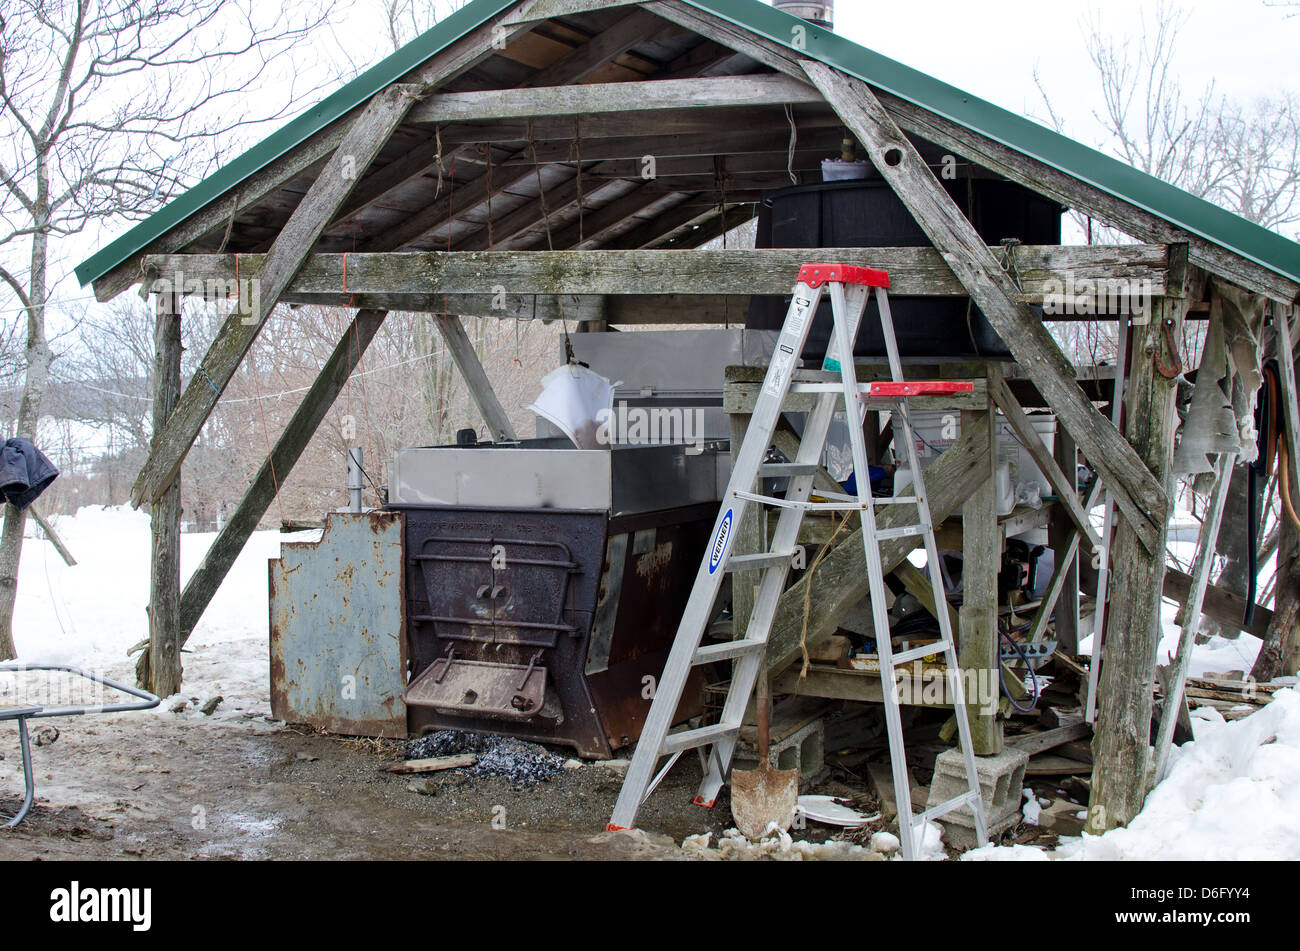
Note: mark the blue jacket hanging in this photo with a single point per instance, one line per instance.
(25, 472)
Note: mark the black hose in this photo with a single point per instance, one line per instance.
(1028, 666)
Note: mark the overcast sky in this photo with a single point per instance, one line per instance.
(1245, 47)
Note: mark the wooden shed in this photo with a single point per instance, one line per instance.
(543, 159)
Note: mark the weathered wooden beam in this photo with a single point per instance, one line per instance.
(743, 271)
(543, 307)
(518, 220)
(1062, 485)
(1220, 604)
(636, 122)
(1044, 740)
(158, 668)
(977, 638)
(776, 159)
(1065, 572)
(257, 498)
(591, 99)
(476, 378)
(367, 136)
(998, 157)
(539, 10)
(460, 56)
(1139, 494)
(598, 51)
(1190, 616)
(840, 580)
(595, 225)
(52, 535)
(640, 26)
(1121, 748)
(1086, 198)
(1061, 535)
(632, 149)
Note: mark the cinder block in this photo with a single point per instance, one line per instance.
(804, 750)
(1001, 779)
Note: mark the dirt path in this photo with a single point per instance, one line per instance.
(152, 787)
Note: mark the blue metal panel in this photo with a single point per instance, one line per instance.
(338, 641)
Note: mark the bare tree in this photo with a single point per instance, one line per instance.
(1244, 157)
(108, 108)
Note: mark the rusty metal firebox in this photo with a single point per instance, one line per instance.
(544, 624)
(544, 583)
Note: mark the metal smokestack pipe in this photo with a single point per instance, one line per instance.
(821, 13)
(355, 485)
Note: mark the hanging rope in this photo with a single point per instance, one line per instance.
(437, 159)
(794, 141)
(807, 593)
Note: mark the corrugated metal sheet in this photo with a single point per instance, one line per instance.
(1200, 217)
(338, 640)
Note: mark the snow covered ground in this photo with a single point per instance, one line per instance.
(89, 615)
(1233, 793)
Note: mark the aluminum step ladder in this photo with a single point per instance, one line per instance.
(836, 384)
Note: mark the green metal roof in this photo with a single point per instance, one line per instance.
(1176, 206)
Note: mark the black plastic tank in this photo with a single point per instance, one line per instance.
(867, 214)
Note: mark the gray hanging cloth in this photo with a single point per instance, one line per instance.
(25, 472)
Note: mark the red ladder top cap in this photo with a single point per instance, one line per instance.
(815, 275)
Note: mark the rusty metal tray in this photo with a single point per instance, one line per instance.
(477, 688)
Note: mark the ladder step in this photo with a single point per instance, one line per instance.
(897, 500)
(780, 470)
(727, 650)
(854, 506)
(894, 389)
(925, 650)
(967, 798)
(905, 531)
(690, 739)
(771, 559)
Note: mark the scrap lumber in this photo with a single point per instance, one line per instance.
(433, 764)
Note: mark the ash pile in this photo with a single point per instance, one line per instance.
(523, 764)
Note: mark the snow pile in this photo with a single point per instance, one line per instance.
(1234, 793)
(89, 615)
(776, 845)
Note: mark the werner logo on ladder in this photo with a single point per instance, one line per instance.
(849, 288)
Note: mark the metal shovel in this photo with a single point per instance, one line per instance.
(763, 796)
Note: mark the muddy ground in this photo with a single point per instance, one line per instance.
(159, 788)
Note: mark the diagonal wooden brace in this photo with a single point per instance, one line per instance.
(1139, 494)
(368, 134)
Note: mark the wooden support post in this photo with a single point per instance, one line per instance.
(257, 498)
(977, 640)
(476, 378)
(364, 139)
(1121, 747)
(1138, 492)
(1063, 485)
(158, 669)
(1067, 567)
(1176, 681)
(1064, 541)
